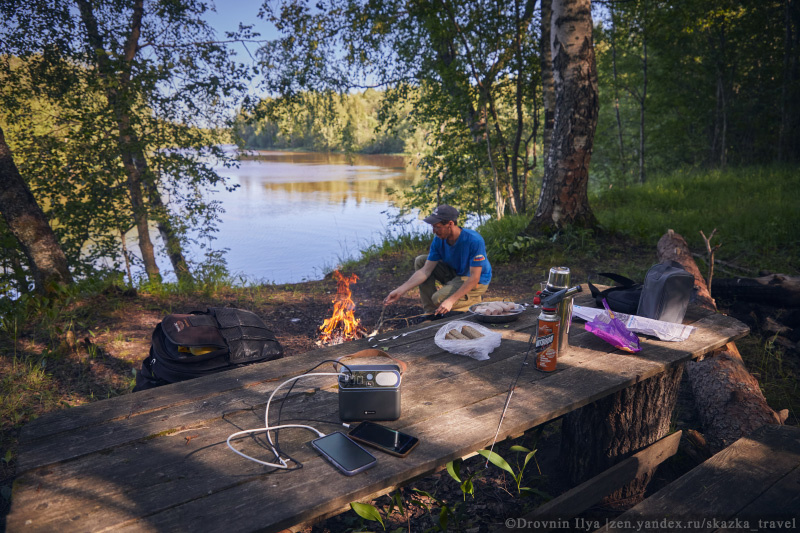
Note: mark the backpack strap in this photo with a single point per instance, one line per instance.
(371, 352)
(624, 283)
(622, 280)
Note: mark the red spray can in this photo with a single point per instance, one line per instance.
(547, 340)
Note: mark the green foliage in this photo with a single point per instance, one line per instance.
(467, 487)
(504, 240)
(719, 86)
(463, 77)
(80, 111)
(367, 512)
(753, 208)
(323, 122)
(501, 463)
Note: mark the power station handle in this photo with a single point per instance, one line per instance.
(372, 352)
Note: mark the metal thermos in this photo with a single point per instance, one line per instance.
(559, 279)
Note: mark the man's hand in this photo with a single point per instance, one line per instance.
(393, 297)
(445, 306)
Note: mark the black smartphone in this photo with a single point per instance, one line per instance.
(385, 439)
(343, 453)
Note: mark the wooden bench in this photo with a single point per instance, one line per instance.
(752, 485)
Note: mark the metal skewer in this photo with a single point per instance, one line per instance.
(511, 393)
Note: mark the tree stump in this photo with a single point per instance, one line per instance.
(618, 426)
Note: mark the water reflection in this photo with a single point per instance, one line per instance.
(296, 214)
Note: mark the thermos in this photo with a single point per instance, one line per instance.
(557, 280)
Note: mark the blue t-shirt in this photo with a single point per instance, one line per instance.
(468, 251)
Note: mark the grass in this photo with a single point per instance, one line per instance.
(753, 209)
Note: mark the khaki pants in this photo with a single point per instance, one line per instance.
(446, 276)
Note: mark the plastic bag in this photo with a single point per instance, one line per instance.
(478, 348)
(613, 331)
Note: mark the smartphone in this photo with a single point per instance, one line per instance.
(343, 453)
(385, 439)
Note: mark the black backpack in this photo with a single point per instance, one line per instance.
(187, 346)
(623, 298)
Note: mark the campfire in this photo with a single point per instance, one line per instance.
(342, 325)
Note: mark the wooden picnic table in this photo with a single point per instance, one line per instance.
(157, 460)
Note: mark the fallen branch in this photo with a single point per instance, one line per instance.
(711, 252)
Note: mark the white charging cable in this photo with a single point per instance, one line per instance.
(281, 464)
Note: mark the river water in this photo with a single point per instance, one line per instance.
(296, 215)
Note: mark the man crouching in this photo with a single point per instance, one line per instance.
(457, 260)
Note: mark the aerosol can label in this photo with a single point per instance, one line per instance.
(547, 342)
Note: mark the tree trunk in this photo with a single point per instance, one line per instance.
(119, 94)
(622, 163)
(28, 223)
(548, 89)
(138, 206)
(624, 422)
(170, 237)
(643, 100)
(778, 290)
(564, 198)
(728, 399)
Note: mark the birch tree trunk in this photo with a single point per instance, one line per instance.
(142, 188)
(29, 225)
(564, 198)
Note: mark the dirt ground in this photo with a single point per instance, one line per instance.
(110, 335)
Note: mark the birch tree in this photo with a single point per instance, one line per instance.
(564, 197)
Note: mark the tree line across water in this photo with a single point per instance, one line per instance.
(112, 114)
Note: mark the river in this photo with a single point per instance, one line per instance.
(296, 215)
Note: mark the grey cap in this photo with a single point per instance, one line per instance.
(443, 213)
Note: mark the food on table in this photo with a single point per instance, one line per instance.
(496, 308)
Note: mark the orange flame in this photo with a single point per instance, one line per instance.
(342, 325)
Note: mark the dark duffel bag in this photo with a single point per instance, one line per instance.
(623, 298)
(187, 346)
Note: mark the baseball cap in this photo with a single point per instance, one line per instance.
(442, 213)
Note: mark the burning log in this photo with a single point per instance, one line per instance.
(342, 325)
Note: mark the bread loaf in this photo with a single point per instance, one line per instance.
(471, 332)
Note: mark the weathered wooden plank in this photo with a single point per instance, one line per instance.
(779, 503)
(145, 403)
(580, 498)
(724, 486)
(117, 431)
(433, 396)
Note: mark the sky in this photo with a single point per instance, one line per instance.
(227, 16)
(229, 13)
